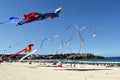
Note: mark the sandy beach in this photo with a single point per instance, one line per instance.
(35, 71)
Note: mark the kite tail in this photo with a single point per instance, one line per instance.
(4, 58)
(28, 55)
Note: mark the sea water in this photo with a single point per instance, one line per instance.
(105, 60)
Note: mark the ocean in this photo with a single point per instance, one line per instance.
(105, 60)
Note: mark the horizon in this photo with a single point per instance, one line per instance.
(64, 53)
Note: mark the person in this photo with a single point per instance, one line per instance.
(30, 62)
(74, 65)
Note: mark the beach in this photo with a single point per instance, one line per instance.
(37, 71)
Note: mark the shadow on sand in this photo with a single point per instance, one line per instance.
(82, 69)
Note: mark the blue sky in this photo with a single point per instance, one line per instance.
(103, 14)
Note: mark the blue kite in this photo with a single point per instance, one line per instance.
(35, 16)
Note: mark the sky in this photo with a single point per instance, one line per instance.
(104, 15)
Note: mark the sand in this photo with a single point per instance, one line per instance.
(35, 71)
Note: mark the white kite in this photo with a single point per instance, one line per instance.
(27, 55)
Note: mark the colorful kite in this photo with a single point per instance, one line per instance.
(27, 49)
(35, 16)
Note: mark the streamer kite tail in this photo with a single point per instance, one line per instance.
(27, 55)
(66, 43)
(11, 20)
(27, 49)
(94, 29)
(4, 22)
(5, 58)
(61, 46)
(43, 42)
(51, 39)
(78, 32)
(82, 41)
(54, 37)
(73, 35)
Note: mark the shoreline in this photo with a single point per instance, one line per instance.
(98, 63)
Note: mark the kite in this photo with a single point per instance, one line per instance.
(27, 55)
(66, 43)
(51, 39)
(82, 41)
(63, 44)
(54, 37)
(78, 32)
(58, 36)
(35, 16)
(11, 20)
(71, 37)
(27, 49)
